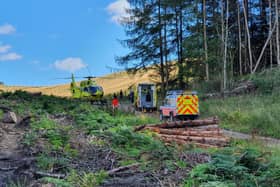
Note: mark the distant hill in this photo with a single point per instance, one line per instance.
(111, 83)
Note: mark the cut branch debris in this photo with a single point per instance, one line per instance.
(122, 168)
(44, 174)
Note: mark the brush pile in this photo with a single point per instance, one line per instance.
(203, 133)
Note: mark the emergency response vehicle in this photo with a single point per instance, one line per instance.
(146, 97)
(181, 105)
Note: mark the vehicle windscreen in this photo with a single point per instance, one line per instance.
(93, 89)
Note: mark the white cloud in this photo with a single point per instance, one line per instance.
(10, 57)
(118, 11)
(4, 48)
(70, 64)
(7, 29)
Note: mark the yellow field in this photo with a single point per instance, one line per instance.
(111, 83)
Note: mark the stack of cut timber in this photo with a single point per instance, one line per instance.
(202, 133)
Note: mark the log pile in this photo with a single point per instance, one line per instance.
(203, 133)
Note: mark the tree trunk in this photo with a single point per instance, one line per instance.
(239, 39)
(270, 28)
(225, 48)
(248, 36)
(161, 50)
(223, 44)
(205, 41)
(263, 49)
(179, 76)
(181, 81)
(166, 52)
(277, 32)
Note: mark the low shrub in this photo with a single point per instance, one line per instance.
(236, 167)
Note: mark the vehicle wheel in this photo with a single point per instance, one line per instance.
(161, 118)
(171, 117)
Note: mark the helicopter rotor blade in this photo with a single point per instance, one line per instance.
(90, 77)
(62, 78)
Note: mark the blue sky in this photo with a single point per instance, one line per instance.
(41, 40)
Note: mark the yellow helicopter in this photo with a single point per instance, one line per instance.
(88, 89)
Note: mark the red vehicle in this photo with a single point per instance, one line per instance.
(180, 105)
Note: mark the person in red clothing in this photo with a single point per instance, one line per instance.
(115, 102)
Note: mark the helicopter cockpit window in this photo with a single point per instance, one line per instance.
(86, 89)
(93, 89)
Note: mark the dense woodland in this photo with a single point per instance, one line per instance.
(213, 40)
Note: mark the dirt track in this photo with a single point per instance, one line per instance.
(271, 142)
(13, 160)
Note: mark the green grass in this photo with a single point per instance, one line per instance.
(1, 114)
(118, 131)
(57, 135)
(258, 113)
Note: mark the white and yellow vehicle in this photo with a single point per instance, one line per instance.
(180, 105)
(146, 97)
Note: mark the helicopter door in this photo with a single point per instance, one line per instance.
(146, 96)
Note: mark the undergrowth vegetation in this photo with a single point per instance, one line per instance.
(244, 165)
(57, 123)
(52, 138)
(258, 114)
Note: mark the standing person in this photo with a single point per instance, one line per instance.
(115, 103)
(121, 95)
(131, 96)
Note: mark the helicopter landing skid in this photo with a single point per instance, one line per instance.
(99, 102)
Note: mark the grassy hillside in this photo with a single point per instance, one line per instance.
(110, 83)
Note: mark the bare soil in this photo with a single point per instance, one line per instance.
(14, 161)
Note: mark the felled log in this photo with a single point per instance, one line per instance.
(219, 141)
(195, 138)
(5, 109)
(182, 142)
(182, 124)
(205, 127)
(187, 132)
(244, 87)
(198, 128)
